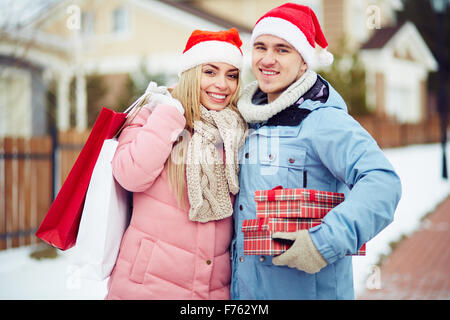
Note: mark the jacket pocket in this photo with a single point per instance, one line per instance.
(288, 164)
(295, 160)
(221, 272)
(173, 264)
(141, 261)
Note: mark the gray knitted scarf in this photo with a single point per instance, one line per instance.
(209, 180)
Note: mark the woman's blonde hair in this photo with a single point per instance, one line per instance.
(187, 91)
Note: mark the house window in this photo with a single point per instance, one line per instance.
(120, 20)
(88, 23)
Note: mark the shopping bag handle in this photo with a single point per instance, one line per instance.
(131, 112)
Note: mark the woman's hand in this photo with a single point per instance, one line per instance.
(153, 88)
(158, 98)
(160, 95)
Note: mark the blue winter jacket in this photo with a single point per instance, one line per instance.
(328, 151)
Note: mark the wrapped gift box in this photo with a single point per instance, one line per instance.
(286, 210)
(295, 203)
(258, 234)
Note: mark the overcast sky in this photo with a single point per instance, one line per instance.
(14, 13)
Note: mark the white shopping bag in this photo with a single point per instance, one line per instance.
(105, 217)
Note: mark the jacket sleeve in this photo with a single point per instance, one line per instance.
(355, 159)
(145, 145)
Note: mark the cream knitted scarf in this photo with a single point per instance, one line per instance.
(258, 113)
(209, 180)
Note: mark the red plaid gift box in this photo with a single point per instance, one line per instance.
(286, 210)
(295, 203)
(258, 234)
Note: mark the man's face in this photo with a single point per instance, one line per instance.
(276, 65)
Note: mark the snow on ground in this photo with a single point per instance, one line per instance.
(24, 278)
(419, 168)
(420, 171)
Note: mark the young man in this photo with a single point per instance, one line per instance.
(301, 136)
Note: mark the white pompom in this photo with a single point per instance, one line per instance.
(325, 58)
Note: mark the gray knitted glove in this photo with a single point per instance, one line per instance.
(302, 255)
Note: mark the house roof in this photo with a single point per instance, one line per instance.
(194, 10)
(402, 41)
(185, 6)
(381, 37)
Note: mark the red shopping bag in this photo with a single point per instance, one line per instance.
(60, 225)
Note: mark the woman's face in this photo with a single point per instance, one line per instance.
(218, 84)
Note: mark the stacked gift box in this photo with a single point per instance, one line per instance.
(286, 210)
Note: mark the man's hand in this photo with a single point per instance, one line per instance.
(302, 255)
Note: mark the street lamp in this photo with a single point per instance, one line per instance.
(439, 7)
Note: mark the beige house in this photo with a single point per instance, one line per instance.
(114, 38)
(75, 38)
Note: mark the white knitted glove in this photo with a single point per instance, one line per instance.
(160, 95)
(159, 98)
(154, 88)
(302, 255)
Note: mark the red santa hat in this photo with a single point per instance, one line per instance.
(212, 46)
(299, 26)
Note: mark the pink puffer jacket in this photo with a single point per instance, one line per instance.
(163, 254)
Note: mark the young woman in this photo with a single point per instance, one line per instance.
(179, 158)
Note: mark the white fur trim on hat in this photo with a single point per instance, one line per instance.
(289, 32)
(325, 58)
(210, 51)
